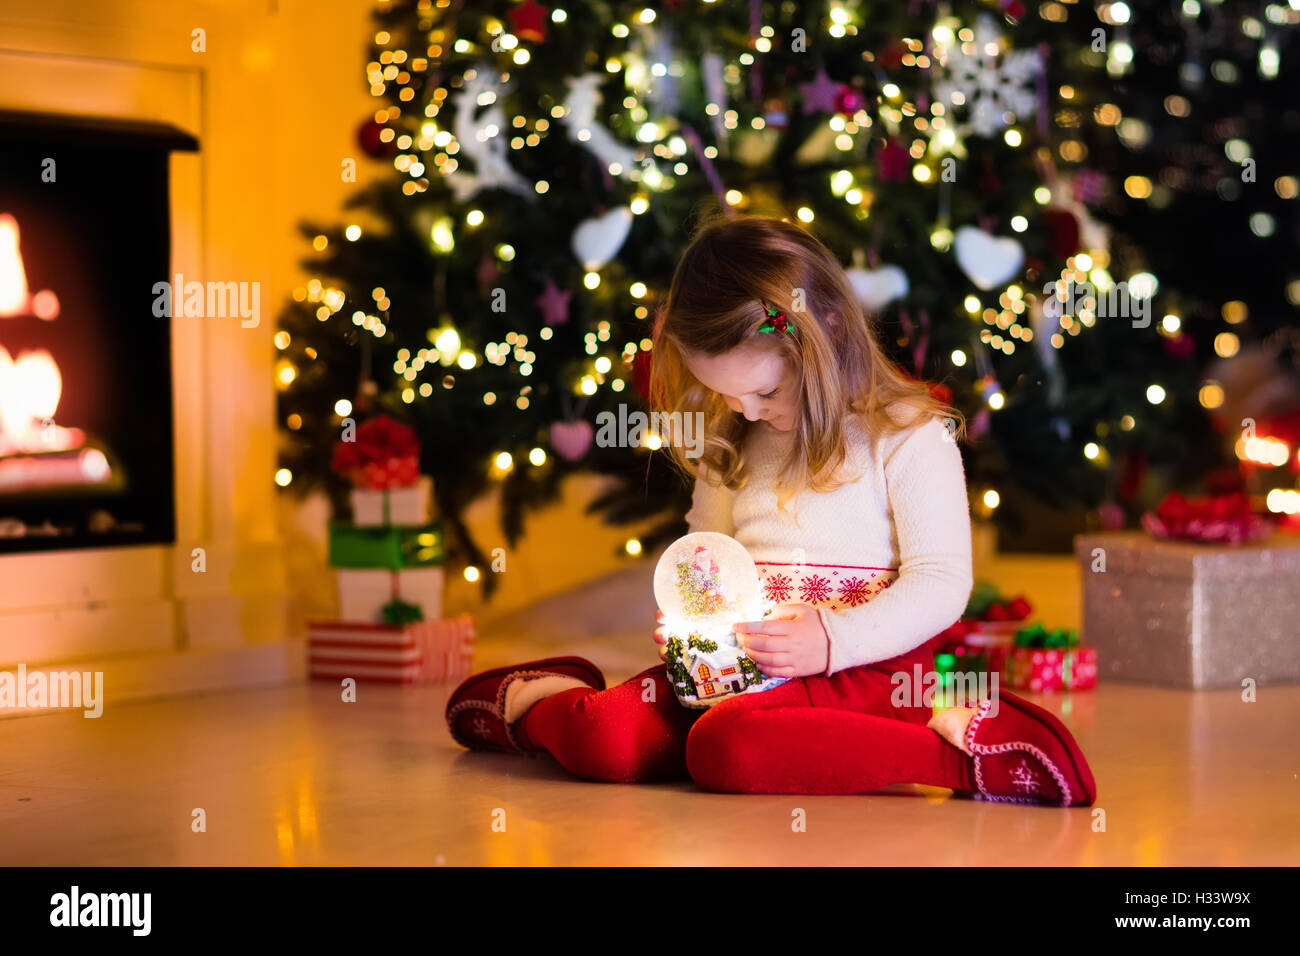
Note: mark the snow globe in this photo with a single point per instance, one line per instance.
(704, 584)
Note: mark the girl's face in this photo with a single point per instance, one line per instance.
(757, 382)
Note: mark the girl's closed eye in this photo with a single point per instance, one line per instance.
(769, 394)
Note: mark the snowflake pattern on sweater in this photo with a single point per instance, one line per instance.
(834, 588)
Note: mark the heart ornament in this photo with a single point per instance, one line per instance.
(876, 288)
(598, 240)
(987, 260)
(571, 440)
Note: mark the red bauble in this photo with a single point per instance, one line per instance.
(1132, 469)
(641, 372)
(1020, 608)
(1225, 481)
(1179, 346)
(941, 393)
(370, 143)
(989, 180)
(892, 162)
(891, 55)
(529, 21)
(1063, 232)
(1111, 516)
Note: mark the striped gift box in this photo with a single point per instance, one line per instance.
(425, 652)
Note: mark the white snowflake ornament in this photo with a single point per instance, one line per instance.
(990, 81)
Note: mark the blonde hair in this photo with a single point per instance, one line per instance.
(730, 271)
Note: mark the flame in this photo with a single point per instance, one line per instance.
(13, 278)
(30, 389)
(14, 298)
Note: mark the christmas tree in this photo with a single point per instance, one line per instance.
(1199, 139)
(547, 166)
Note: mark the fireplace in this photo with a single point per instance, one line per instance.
(86, 446)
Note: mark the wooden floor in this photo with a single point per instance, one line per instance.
(294, 776)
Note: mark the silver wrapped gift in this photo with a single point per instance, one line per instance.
(1192, 615)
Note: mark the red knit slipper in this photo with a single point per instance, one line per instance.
(1026, 755)
(476, 709)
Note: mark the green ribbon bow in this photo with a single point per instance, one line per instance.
(1037, 636)
(399, 613)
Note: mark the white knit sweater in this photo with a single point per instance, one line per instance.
(907, 510)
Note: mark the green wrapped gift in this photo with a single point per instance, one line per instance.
(390, 546)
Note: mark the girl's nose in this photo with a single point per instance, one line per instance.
(749, 408)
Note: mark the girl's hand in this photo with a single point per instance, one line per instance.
(790, 643)
(660, 637)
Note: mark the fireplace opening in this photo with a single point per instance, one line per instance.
(86, 447)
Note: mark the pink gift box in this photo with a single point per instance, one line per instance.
(421, 653)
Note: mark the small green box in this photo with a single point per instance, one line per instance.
(392, 546)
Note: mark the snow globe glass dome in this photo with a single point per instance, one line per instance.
(705, 583)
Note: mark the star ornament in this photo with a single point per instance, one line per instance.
(554, 304)
(528, 20)
(820, 94)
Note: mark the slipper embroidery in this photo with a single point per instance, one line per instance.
(1024, 778)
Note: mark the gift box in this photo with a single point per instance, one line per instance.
(1043, 660)
(984, 636)
(424, 652)
(1051, 668)
(1192, 615)
(391, 547)
(365, 592)
(392, 506)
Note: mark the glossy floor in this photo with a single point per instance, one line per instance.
(295, 776)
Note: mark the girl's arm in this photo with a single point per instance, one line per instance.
(710, 506)
(927, 496)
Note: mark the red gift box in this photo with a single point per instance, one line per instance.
(1051, 668)
(423, 652)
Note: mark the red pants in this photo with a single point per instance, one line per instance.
(838, 734)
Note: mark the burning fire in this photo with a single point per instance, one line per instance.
(30, 389)
(14, 299)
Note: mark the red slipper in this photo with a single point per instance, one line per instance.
(476, 709)
(1026, 755)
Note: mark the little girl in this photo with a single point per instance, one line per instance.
(843, 479)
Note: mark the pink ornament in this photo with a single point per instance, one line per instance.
(571, 440)
(848, 100)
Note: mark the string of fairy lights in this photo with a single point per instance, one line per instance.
(1002, 319)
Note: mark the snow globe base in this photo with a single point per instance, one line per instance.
(705, 670)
